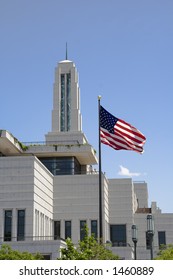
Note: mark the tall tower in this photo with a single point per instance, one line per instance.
(66, 116)
(66, 141)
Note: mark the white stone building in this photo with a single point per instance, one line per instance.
(49, 191)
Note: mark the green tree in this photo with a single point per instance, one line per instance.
(87, 249)
(165, 253)
(7, 253)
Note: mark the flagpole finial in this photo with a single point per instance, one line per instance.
(99, 97)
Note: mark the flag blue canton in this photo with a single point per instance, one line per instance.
(107, 120)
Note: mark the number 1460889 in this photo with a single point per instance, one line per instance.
(133, 270)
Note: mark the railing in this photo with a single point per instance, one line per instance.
(30, 239)
(35, 143)
(120, 244)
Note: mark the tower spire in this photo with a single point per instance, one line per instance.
(66, 56)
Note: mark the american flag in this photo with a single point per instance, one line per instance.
(119, 134)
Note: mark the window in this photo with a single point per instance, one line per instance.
(148, 246)
(21, 225)
(57, 230)
(62, 102)
(82, 229)
(62, 165)
(68, 102)
(67, 229)
(7, 225)
(161, 238)
(94, 228)
(118, 235)
(65, 102)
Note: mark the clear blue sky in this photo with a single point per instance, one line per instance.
(123, 50)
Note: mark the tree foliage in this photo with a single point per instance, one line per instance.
(87, 249)
(7, 253)
(165, 253)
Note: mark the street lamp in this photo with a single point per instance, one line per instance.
(135, 239)
(150, 232)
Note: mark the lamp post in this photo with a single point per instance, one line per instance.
(135, 239)
(150, 232)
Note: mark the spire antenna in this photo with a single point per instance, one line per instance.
(66, 56)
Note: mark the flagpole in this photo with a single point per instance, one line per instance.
(100, 179)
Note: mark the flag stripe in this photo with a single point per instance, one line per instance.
(125, 140)
(117, 142)
(130, 137)
(135, 133)
(119, 146)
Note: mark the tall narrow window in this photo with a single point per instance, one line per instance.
(147, 241)
(68, 101)
(62, 102)
(65, 102)
(82, 229)
(94, 228)
(67, 229)
(57, 229)
(161, 238)
(7, 225)
(21, 225)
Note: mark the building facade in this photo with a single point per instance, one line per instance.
(49, 191)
